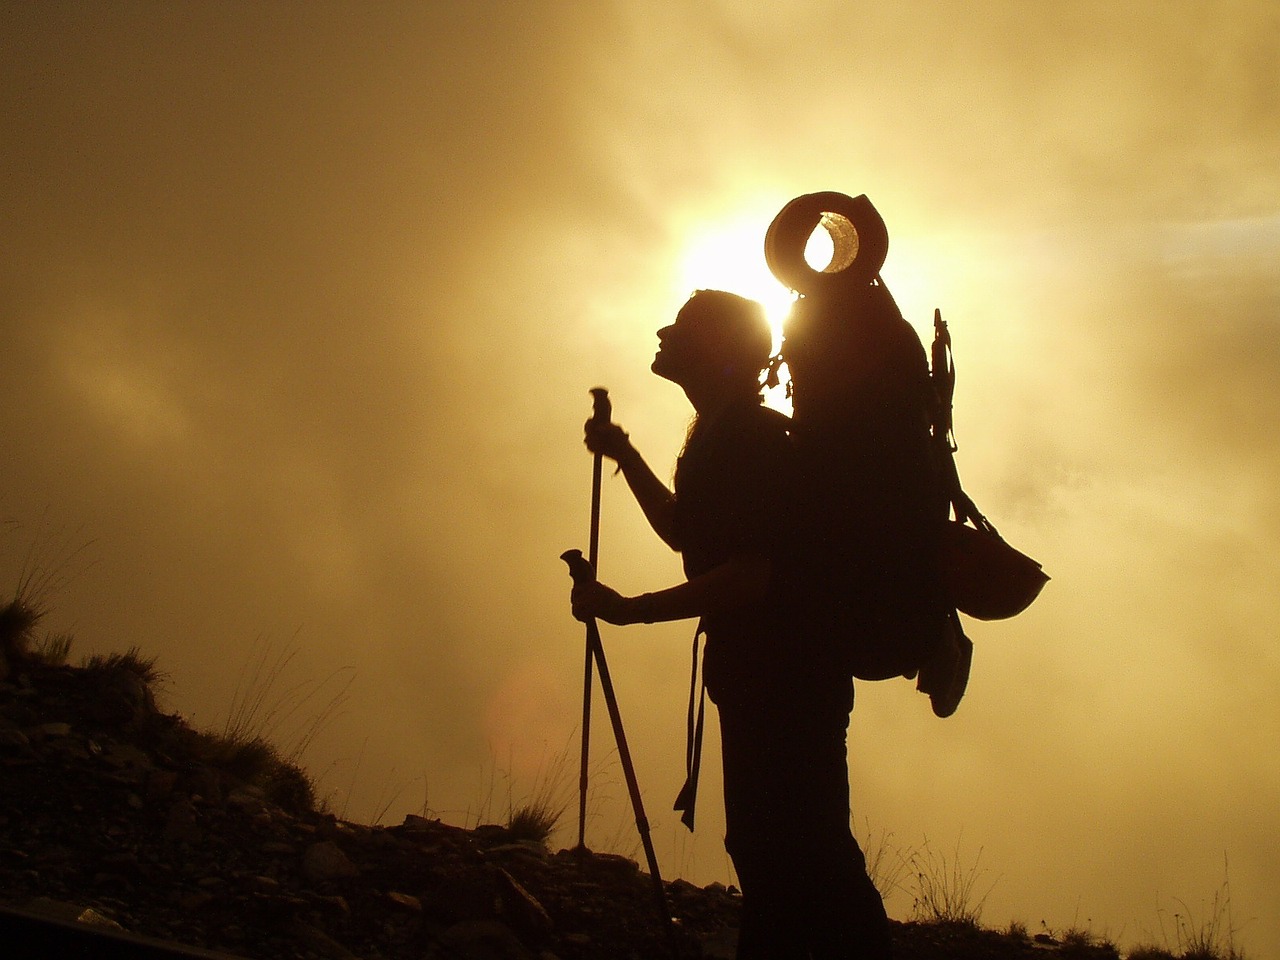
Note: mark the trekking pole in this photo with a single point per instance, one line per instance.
(582, 572)
(601, 412)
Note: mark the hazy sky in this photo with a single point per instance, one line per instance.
(300, 306)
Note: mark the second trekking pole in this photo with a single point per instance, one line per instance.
(581, 572)
(601, 413)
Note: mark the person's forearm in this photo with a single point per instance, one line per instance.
(736, 583)
(656, 501)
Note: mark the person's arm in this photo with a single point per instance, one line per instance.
(737, 582)
(656, 501)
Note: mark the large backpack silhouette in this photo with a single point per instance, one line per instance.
(884, 545)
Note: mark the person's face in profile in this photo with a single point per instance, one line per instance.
(688, 347)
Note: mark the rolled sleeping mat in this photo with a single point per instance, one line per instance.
(859, 239)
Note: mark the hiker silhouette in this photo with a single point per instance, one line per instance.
(784, 709)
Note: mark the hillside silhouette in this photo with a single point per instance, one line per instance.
(116, 814)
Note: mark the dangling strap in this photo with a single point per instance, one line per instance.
(943, 366)
(688, 797)
(943, 377)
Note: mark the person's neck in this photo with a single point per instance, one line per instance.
(710, 399)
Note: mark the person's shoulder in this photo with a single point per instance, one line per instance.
(756, 432)
(755, 419)
(753, 413)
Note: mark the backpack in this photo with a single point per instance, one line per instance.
(885, 547)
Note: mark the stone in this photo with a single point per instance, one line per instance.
(160, 784)
(480, 940)
(523, 911)
(95, 919)
(182, 825)
(720, 945)
(191, 902)
(45, 730)
(319, 941)
(13, 739)
(410, 903)
(121, 755)
(324, 860)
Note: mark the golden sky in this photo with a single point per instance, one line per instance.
(301, 303)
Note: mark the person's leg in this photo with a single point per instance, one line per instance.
(844, 913)
(754, 790)
(804, 880)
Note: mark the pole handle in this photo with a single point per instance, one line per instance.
(601, 407)
(579, 567)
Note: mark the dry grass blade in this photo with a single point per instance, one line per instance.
(263, 706)
(946, 888)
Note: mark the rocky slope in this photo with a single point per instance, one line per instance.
(115, 813)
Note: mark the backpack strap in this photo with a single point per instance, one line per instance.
(688, 797)
(942, 375)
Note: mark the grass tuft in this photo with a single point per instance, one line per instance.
(131, 661)
(264, 709)
(18, 621)
(1209, 934)
(536, 816)
(46, 569)
(53, 649)
(946, 887)
(256, 764)
(534, 821)
(886, 863)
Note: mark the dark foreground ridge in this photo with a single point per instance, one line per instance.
(116, 816)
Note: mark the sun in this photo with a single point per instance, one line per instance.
(730, 256)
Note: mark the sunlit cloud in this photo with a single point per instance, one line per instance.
(301, 314)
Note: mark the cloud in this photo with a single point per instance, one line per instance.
(301, 313)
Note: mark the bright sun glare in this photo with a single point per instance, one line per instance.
(731, 257)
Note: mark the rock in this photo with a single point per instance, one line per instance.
(249, 799)
(480, 940)
(182, 825)
(416, 823)
(160, 784)
(525, 914)
(324, 860)
(122, 697)
(121, 755)
(43, 731)
(720, 945)
(319, 941)
(410, 903)
(194, 901)
(14, 740)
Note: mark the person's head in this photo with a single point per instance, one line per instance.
(719, 341)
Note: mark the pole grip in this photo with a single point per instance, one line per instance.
(579, 567)
(601, 407)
